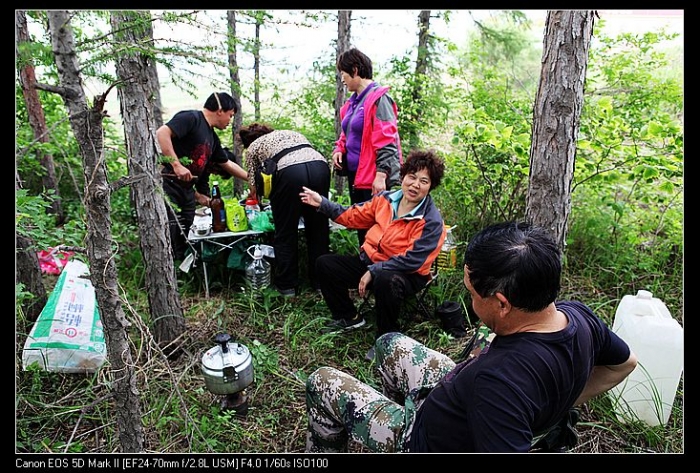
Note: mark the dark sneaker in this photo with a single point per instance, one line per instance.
(344, 325)
(291, 292)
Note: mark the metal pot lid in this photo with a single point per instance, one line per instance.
(226, 354)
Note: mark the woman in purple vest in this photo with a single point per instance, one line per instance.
(368, 148)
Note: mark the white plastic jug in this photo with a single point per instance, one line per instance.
(646, 324)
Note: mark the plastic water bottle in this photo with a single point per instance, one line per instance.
(647, 394)
(447, 258)
(252, 209)
(258, 272)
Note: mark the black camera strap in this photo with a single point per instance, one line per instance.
(285, 151)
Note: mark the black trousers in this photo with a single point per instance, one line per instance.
(286, 210)
(179, 223)
(338, 273)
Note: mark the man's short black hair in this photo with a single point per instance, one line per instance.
(222, 101)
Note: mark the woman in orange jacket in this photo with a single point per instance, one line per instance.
(405, 232)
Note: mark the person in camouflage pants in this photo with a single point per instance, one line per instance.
(341, 407)
(546, 357)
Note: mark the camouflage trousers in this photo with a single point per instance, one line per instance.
(341, 408)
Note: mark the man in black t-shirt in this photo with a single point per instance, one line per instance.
(545, 358)
(190, 145)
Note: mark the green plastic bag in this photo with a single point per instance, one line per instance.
(237, 256)
(209, 252)
(236, 220)
(262, 222)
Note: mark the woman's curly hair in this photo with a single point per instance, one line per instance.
(424, 159)
(252, 132)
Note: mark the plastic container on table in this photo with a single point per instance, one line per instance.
(252, 209)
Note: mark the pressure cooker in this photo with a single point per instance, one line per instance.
(227, 367)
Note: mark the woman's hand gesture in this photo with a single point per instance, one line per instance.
(310, 197)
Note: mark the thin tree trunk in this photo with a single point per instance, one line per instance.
(342, 45)
(28, 272)
(256, 66)
(151, 72)
(413, 117)
(556, 119)
(86, 124)
(35, 113)
(238, 185)
(132, 28)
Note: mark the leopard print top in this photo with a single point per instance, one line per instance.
(270, 144)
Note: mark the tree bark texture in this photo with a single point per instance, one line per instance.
(422, 60)
(153, 82)
(86, 124)
(28, 272)
(238, 184)
(556, 119)
(138, 116)
(35, 113)
(256, 67)
(342, 45)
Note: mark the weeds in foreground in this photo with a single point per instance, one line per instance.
(73, 413)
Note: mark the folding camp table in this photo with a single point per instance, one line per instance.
(223, 240)
(227, 240)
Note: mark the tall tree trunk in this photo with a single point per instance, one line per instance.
(132, 28)
(342, 45)
(35, 112)
(556, 119)
(412, 118)
(151, 73)
(86, 124)
(28, 273)
(256, 64)
(238, 185)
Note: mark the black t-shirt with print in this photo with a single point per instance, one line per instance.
(196, 140)
(521, 386)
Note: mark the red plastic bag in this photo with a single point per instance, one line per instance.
(52, 261)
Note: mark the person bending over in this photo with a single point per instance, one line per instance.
(190, 134)
(301, 167)
(545, 357)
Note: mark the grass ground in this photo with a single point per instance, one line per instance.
(74, 413)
